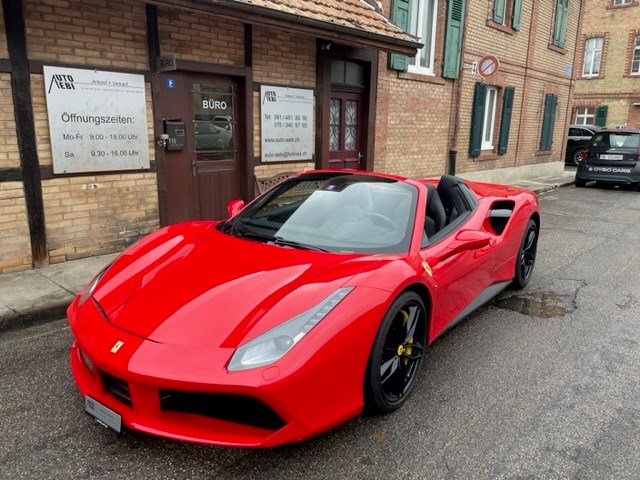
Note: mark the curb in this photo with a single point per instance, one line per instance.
(33, 318)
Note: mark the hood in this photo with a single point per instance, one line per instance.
(190, 284)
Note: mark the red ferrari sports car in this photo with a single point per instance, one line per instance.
(312, 302)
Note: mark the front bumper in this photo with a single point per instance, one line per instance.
(185, 393)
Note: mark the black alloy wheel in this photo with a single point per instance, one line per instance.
(397, 354)
(526, 255)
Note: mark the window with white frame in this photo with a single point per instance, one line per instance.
(622, 2)
(585, 116)
(423, 25)
(635, 61)
(592, 57)
(489, 118)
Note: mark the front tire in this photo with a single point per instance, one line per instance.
(526, 255)
(396, 355)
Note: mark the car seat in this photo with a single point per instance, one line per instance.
(436, 217)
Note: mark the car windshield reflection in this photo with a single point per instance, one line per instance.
(336, 212)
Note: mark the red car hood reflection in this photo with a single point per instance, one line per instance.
(191, 285)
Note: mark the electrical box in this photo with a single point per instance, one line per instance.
(176, 131)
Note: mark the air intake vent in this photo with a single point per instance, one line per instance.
(118, 388)
(233, 408)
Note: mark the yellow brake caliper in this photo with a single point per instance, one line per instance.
(404, 350)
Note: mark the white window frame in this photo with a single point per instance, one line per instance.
(489, 120)
(635, 55)
(585, 116)
(416, 27)
(592, 51)
(621, 2)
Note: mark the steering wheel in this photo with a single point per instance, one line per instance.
(382, 221)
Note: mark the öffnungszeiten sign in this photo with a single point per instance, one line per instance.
(286, 123)
(97, 120)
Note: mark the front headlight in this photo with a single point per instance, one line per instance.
(92, 285)
(273, 344)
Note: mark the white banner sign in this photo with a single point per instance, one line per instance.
(286, 121)
(97, 120)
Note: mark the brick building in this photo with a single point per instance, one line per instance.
(122, 116)
(607, 76)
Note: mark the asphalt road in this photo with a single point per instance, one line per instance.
(543, 383)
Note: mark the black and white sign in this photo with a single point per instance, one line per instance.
(287, 123)
(97, 120)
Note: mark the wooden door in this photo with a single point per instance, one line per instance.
(203, 176)
(346, 130)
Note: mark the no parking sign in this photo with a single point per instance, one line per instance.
(488, 66)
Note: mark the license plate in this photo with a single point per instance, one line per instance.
(105, 416)
(611, 157)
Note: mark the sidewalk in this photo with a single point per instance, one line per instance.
(37, 296)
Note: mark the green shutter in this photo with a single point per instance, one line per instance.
(400, 13)
(498, 11)
(505, 125)
(548, 121)
(477, 119)
(601, 116)
(453, 39)
(516, 14)
(560, 28)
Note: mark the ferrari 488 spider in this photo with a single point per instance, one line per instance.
(312, 302)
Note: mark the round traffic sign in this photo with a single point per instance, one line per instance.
(488, 66)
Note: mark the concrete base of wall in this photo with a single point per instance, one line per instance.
(512, 175)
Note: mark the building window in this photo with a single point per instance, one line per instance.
(423, 25)
(621, 2)
(635, 61)
(507, 13)
(560, 24)
(585, 116)
(489, 118)
(548, 121)
(592, 57)
(483, 119)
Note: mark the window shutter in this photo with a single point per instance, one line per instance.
(477, 119)
(453, 39)
(498, 11)
(400, 11)
(601, 116)
(560, 28)
(546, 138)
(507, 108)
(516, 14)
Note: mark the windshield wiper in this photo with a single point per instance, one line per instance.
(235, 230)
(292, 243)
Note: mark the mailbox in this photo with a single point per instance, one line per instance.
(176, 132)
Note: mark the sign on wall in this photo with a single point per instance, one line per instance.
(97, 120)
(286, 123)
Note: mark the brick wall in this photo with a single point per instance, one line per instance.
(90, 214)
(87, 32)
(412, 125)
(283, 59)
(615, 88)
(3, 40)
(200, 37)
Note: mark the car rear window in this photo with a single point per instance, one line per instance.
(617, 139)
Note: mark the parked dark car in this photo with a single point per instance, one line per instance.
(612, 157)
(579, 136)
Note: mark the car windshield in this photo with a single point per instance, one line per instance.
(332, 211)
(617, 139)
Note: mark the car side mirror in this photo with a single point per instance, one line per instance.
(234, 207)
